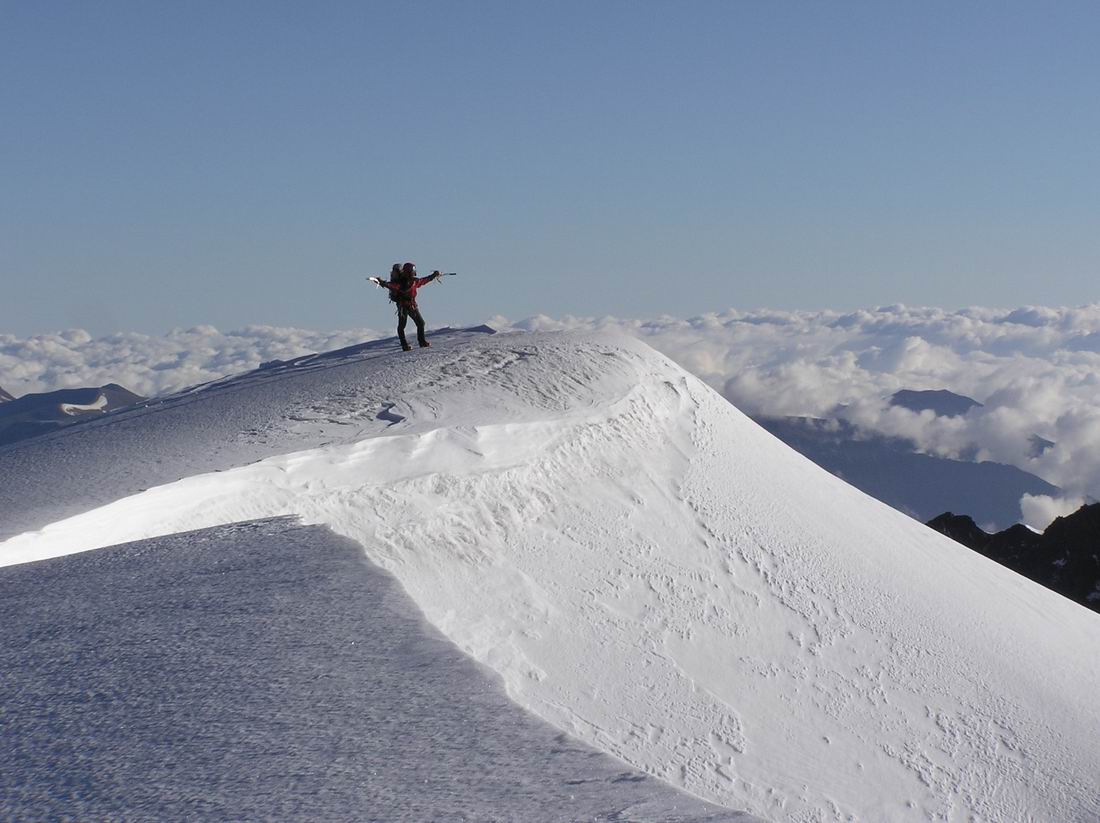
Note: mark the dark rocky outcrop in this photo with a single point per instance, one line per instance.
(1065, 557)
(4, 396)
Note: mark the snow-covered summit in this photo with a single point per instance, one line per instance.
(33, 415)
(644, 566)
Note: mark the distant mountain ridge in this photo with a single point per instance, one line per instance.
(1064, 558)
(35, 414)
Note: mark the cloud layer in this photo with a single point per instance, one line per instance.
(1036, 369)
(154, 365)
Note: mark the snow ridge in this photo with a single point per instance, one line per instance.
(651, 571)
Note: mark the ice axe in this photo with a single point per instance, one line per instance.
(445, 274)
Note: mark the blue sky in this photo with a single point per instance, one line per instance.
(168, 165)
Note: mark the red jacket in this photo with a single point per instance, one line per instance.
(405, 295)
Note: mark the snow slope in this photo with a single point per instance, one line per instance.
(645, 568)
(267, 671)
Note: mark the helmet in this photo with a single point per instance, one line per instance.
(395, 272)
(409, 268)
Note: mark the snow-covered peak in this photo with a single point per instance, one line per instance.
(643, 565)
(34, 415)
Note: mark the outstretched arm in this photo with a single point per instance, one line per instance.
(435, 275)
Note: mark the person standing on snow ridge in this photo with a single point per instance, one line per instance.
(402, 286)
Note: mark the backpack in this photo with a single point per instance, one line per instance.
(400, 295)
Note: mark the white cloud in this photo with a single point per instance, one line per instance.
(1040, 511)
(1036, 369)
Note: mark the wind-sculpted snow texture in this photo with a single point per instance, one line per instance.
(649, 570)
(309, 401)
(266, 671)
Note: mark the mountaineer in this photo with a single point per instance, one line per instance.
(402, 286)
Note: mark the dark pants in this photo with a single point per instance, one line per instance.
(403, 315)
